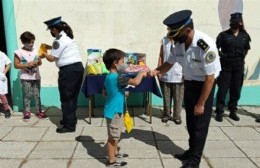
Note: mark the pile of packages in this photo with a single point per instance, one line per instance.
(135, 63)
(95, 64)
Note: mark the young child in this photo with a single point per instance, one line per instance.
(5, 65)
(114, 89)
(28, 62)
(171, 84)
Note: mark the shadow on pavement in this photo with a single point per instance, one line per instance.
(97, 150)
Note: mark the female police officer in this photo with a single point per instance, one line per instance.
(197, 54)
(66, 55)
(233, 45)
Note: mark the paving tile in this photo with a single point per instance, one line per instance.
(20, 134)
(140, 133)
(168, 149)
(139, 148)
(231, 162)
(53, 150)
(95, 133)
(257, 129)
(54, 111)
(46, 163)
(251, 148)
(170, 163)
(89, 163)
(4, 131)
(224, 123)
(222, 149)
(245, 120)
(52, 135)
(215, 133)
(18, 121)
(95, 121)
(90, 149)
(2, 119)
(10, 163)
(238, 133)
(51, 121)
(256, 161)
(171, 133)
(15, 150)
(144, 163)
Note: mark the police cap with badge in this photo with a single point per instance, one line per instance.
(177, 21)
(50, 23)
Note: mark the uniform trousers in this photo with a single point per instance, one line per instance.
(197, 125)
(175, 92)
(70, 79)
(230, 79)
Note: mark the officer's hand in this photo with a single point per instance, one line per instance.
(198, 110)
(153, 73)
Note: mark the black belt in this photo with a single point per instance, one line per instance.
(70, 65)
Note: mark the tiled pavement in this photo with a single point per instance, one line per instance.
(35, 144)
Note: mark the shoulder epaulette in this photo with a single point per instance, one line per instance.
(203, 45)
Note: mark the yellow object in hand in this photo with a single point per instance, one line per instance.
(43, 49)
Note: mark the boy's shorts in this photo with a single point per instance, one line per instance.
(114, 127)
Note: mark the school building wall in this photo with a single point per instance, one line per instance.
(130, 25)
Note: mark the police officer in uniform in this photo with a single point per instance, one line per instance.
(66, 55)
(233, 45)
(198, 56)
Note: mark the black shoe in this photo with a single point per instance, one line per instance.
(257, 119)
(234, 116)
(165, 119)
(219, 117)
(61, 122)
(7, 113)
(185, 156)
(64, 130)
(190, 164)
(116, 164)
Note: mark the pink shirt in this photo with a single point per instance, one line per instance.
(25, 57)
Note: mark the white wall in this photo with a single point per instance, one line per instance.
(130, 25)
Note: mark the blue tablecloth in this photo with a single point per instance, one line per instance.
(94, 84)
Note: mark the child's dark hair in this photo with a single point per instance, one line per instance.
(27, 37)
(63, 26)
(112, 55)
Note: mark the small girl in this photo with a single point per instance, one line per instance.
(28, 62)
(5, 65)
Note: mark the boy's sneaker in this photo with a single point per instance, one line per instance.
(41, 115)
(27, 116)
(121, 155)
(116, 164)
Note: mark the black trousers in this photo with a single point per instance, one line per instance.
(70, 79)
(231, 80)
(197, 125)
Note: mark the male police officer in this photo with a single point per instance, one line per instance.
(198, 55)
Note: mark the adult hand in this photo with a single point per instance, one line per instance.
(198, 110)
(153, 73)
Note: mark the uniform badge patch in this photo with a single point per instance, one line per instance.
(55, 45)
(210, 57)
(203, 45)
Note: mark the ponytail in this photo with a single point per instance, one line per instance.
(63, 26)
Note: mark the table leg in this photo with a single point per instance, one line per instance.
(90, 107)
(150, 106)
